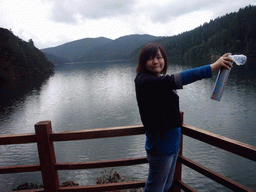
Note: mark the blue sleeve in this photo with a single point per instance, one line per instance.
(198, 73)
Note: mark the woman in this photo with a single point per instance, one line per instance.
(158, 105)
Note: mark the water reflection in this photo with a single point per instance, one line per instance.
(14, 92)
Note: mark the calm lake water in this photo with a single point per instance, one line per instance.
(99, 95)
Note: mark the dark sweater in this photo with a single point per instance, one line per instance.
(158, 105)
(158, 102)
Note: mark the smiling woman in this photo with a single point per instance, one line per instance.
(159, 109)
(156, 64)
(153, 59)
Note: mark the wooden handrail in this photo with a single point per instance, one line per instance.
(184, 186)
(98, 133)
(20, 169)
(104, 187)
(44, 138)
(17, 139)
(213, 175)
(233, 146)
(100, 164)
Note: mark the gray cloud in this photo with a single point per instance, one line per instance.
(175, 9)
(71, 11)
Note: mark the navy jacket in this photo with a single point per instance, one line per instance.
(158, 102)
(157, 99)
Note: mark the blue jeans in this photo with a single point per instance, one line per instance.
(161, 171)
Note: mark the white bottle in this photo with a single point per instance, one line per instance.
(222, 77)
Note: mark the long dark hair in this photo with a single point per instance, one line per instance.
(150, 50)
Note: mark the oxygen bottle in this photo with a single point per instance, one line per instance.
(222, 77)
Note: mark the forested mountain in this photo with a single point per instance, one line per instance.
(99, 49)
(234, 32)
(19, 58)
(76, 49)
(119, 49)
(55, 59)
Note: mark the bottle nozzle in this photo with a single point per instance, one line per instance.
(239, 59)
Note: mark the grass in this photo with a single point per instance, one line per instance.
(114, 178)
(111, 177)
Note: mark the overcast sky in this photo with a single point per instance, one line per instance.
(54, 22)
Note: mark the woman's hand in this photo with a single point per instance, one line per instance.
(223, 61)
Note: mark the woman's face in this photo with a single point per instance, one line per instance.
(156, 64)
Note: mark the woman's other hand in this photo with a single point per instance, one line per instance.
(223, 61)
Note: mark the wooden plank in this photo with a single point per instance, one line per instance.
(17, 139)
(32, 190)
(104, 187)
(184, 186)
(233, 146)
(98, 133)
(214, 176)
(178, 168)
(100, 164)
(47, 156)
(19, 169)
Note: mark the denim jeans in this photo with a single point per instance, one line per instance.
(161, 171)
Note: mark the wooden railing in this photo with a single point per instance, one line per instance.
(45, 138)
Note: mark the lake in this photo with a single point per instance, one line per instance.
(98, 95)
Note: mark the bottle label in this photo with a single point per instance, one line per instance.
(221, 81)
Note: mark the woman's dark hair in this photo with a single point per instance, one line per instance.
(150, 50)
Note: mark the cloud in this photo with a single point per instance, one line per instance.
(70, 11)
(54, 22)
(167, 11)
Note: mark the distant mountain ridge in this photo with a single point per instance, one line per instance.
(119, 49)
(99, 49)
(75, 49)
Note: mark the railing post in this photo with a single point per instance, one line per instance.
(47, 156)
(178, 169)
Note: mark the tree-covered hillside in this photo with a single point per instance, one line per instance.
(19, 58)
(234, 32)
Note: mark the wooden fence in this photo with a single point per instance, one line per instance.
(45, 138)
